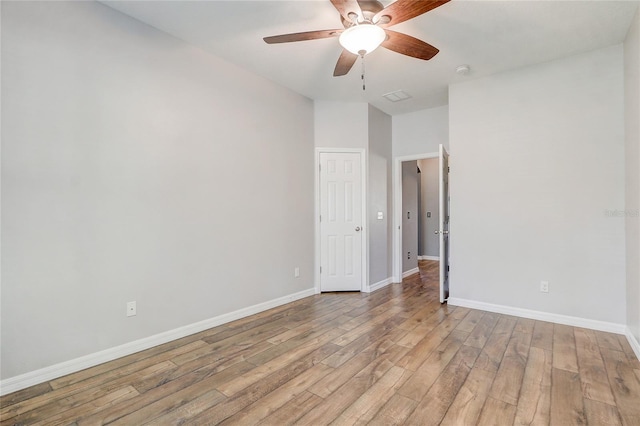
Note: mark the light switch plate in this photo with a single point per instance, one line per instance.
(380, 215)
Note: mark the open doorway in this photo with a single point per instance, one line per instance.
(421, 215)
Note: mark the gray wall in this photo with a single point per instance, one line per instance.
(341, 124)
(420, 132)
(124, 178)
(409, 225)
(538, 158)
(379, 195)
(632, 168)
(429, 244)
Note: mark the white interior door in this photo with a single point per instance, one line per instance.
(340, 222)
(444, 225)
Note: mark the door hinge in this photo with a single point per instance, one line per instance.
(320, 218)
(319, 167)
(321, 269)
(448, 268)
(448, 169)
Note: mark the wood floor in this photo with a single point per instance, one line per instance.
(395, 356)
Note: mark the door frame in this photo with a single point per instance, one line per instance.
(397, 210)
(365, 225)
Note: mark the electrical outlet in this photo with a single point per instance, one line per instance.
(408, 255)
(131, 309)
(544, 286)
(296, 272)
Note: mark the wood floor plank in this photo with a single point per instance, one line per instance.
(427, 373)
(376, 340)
(346, 371)
(343, 397)
(289, 413)
(420, 352)
(508, 381)
(367, 327)
(493, 351)
(258, 389)
(599, 413)
(593, 375)
(420, 317)
(162, 391)
(433, 407)
(132, 362)
(364, 408)
(68, 398)
(481, 333)
(189, 409)
(625, 385)
(25, 394)
(608, 340)
(497, 413)
(267, 405)
(467, 405)
(311, 323)
(415, 336)
(395, 411)
(295, 343)
(626, 348)
(278, 363)
(567, 407)
(534, 401)
(169, 403)
(542, 335)
(470, 321)
(97, 405)
(564, 348)
(204, 366)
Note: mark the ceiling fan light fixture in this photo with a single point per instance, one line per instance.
(364, 37)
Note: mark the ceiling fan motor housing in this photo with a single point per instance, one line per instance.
(369, 9)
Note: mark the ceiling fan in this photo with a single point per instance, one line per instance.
(366, 24)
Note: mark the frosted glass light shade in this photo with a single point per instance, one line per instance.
(361, 37)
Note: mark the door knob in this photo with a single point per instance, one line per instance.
(357, 228)
(436, 232)
(445, 232)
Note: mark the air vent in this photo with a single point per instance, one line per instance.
(397, 96)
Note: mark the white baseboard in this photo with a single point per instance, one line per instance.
(22, 381)
(541, 316)
(428, 257)
(633, 342)
(410, 272)
(379, 285)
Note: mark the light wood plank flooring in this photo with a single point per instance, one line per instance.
(395, 356)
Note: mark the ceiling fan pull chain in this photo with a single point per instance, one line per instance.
(364, 85)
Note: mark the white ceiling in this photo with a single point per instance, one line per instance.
(490, 36)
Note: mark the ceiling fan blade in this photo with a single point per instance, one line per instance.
(309, 35)
(409, 46)
(345, 63)
(403, 10)
(345, 7)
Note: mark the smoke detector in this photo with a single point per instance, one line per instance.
(463, 69)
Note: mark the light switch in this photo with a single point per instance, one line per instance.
(380, 216)
(428, 214)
